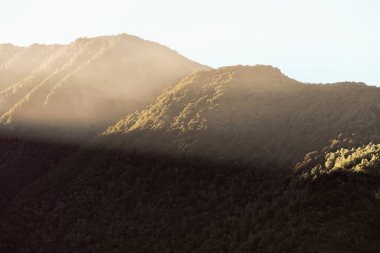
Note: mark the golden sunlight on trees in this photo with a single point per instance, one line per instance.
(249, 113)
(88, 84)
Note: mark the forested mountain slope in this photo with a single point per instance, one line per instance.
(91, 83)
(17, 63)
(252, 114)
(57, 97)
(115, 201)
(236, 159)
(7, 51)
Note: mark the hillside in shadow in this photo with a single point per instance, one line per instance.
(117, 144)
(249, 114)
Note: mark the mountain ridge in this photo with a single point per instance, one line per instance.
(98, 75)
(242, 111)
(235, 159)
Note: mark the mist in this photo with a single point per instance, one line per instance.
(79, 89)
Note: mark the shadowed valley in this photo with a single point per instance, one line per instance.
(117, 144)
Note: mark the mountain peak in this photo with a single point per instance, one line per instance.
(258, 68)
(209, 89)
(89, 83)
(257, 76)
(247, 113)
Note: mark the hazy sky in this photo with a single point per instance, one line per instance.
(313, 41)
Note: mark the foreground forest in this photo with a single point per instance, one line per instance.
(102, 200)
(101, 154)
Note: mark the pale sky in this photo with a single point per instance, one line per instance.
(311, 41)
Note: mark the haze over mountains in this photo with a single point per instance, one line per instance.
(252, 114)
(88, 84)
(117, 144)
(17, 63)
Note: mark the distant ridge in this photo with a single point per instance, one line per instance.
(17, 63)
(194, 159)
(252, 114)
(88, 84)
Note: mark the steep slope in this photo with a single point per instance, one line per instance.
(70, 94)
(252, 114)
(91, 83)
(7, 51)
(19, 62)
(61, 198)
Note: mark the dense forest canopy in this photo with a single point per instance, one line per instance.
(116, 144)
(254, 114)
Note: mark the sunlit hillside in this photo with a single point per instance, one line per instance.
(117, 144)
(252, 114)
(88, 84)
(17, 63)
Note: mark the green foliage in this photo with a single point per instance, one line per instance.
(207, 167)
(334, 158)
(253, 114)
(116, 201)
